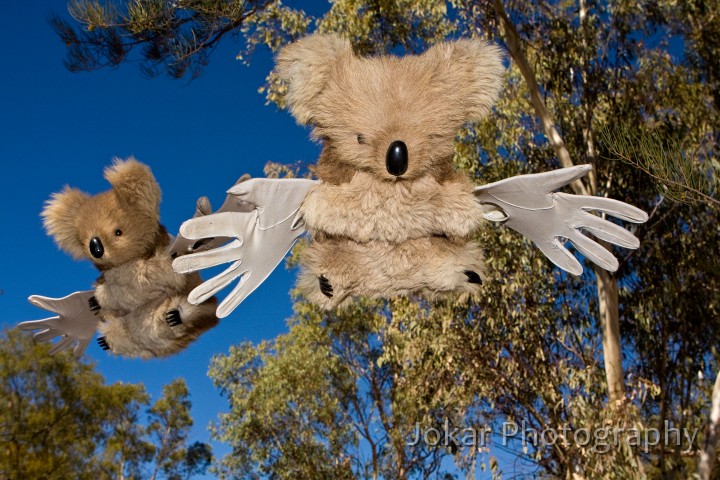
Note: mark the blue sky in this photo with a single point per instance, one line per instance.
(62, 128)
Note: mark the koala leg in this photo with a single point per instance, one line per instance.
(193, 319)
(146, 332)
(176, 323)
(428, 266)
(120, 338)
(197, 318)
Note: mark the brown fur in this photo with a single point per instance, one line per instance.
(427, 265)
(375, 233)
(365, 209)
(422, 100)
(138, 286)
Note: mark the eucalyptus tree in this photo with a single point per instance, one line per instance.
(59, 419)
(537, 347)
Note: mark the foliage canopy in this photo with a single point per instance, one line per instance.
(341, 391)
(58, 419)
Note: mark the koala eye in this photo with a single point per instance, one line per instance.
(361, 139)
(118, 232)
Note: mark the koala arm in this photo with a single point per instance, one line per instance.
(75, 323)
(260, 217)
(529, 205)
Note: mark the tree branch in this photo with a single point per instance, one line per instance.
(512, 38)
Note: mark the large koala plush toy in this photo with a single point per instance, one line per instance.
(390, 216)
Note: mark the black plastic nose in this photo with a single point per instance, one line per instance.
(396, 160)
(96, 248)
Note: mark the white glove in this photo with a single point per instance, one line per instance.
(260, 216)
(76, 321)
(527, 204)
(182, 246)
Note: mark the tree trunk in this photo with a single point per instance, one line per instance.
(708, 454)
(512, 38)
(609, 317)
(606, 283)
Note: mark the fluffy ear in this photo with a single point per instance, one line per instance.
(471, 72)
(134, 185)
(306, 66)
(60, 220)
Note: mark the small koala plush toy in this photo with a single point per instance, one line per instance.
(141, 303)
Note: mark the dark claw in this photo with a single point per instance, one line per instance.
(102, 341)
(93, 304)
(473, 277)
(173, 318)
(325, 287)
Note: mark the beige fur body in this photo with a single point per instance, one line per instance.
(365, 209)
(378, 231)
(137, 288)
(135, 298)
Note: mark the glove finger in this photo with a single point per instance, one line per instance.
(594, 252)
(556, 252)
(243, 178)
(493, 213)
(223, 224)
(202, 207)
(210, 287)
(46, 303)
(244, 187)
(208, 258)
(46, 335)
(51, 322)
(613, 207)
(280, 194)
(64, 304)
(236, 297)
(81, 347)
(533, 182)
(63, 344)
(235, 204)
(608, 231)
(555, 179)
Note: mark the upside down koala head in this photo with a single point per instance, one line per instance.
(391, 216)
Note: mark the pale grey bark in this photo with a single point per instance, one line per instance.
(606, 282)
(709, 453)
